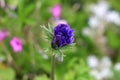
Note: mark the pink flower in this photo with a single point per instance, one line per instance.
(3, 35)
(56, 11)
(60, 22)
(16, 44)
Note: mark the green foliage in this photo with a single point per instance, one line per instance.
(43, 77)
(7, 73)
(24, 12)
(48, 31)
(115, 4)
(79, 71)
(116, 74)
(113, 39)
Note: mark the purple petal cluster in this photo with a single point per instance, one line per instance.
(63, 35)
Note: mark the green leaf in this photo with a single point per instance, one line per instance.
(48, 32)
(20, 7)
(30, 22)
(50, 28)
(113, 39)
(28, 10)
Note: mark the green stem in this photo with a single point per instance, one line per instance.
(9, 57)
(52, 66)
(30, 35)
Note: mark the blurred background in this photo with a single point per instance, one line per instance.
(25, 52)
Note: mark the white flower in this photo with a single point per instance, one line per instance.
(92, 61)
(117, 67)
(113, 17)
(106, 73)
(100, 9)
(95, 73)
(86, 31)
(106, 62)
(94, 22)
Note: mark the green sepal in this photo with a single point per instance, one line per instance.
(48, 31)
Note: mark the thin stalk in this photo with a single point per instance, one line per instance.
(30, 35)
(10, 59)
(52, 66)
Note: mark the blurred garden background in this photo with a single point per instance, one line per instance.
(25, 52)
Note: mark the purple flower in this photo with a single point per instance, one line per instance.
(16, 44)
(56, 11)
(63, 35)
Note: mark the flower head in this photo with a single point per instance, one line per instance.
(16, 44)
(101, 9)
(113, 17)
(92, 61)
(56, 11)
(63, 35)
(117, 67)
(3, 35)
(94, 22)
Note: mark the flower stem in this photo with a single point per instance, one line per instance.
(52, 66)
(10, 60)
(9, 57)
